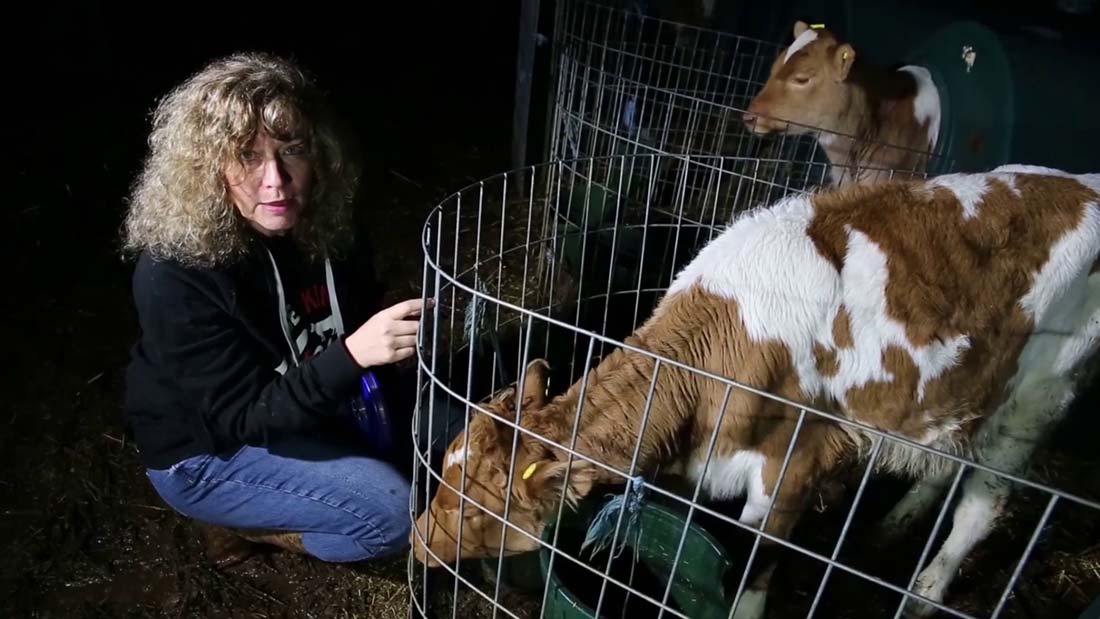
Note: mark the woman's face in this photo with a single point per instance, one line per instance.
(270, 183)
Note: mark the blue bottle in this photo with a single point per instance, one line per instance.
(371, 416)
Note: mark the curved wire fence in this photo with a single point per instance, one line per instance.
(627, 83)
(547, 263)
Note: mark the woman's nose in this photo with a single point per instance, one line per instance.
(274, 175)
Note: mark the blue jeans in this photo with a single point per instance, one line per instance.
(347, 505)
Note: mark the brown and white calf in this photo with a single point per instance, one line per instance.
(955, 312)
(867, 119)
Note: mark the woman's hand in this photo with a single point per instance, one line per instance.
(389, 336)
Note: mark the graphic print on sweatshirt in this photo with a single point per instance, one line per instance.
(310, 321)
(312, 324)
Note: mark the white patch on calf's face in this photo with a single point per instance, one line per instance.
(457, 456)
(926, 105)
(802, 41)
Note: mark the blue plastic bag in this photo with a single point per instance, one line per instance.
(371, 416)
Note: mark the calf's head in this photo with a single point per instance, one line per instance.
(806, 86)
(483, 455)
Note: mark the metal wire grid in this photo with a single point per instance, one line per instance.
(721, 67)
(628, 84)
(481, 247)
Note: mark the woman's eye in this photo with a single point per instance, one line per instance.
(295, 150)
(248, 155)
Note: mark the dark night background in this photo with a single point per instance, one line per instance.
(427, 91)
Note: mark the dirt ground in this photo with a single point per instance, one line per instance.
(82, 533)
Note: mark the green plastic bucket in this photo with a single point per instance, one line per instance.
(697, 589)
(520, 572)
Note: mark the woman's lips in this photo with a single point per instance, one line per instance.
(278, 207)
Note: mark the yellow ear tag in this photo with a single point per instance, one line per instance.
(530, 470)
(844, 56)
(816, 26)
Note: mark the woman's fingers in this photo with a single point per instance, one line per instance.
(404, 327)
(404, 341)
(409, 307)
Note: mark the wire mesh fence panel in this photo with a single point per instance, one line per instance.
(588, 447)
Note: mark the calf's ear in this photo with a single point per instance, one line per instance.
(843, 58)
(534, 389)
(534, 383)
(542, 480)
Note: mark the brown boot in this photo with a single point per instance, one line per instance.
(287, 540)
(224, 548)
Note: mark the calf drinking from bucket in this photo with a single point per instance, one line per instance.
(868, 120)
(955, 312)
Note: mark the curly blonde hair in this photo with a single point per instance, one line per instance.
(180, 207)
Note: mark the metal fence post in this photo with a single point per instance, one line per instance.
(525, 64)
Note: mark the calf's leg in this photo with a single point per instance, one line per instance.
(779, 517)
(921, 499)
(1008, 442)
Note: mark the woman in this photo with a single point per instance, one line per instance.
(258, 318)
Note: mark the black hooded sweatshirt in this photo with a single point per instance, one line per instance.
(246, 353)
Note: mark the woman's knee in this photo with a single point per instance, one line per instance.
(391, 522)
(339, 548)
(386, 523)
(382, 530)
